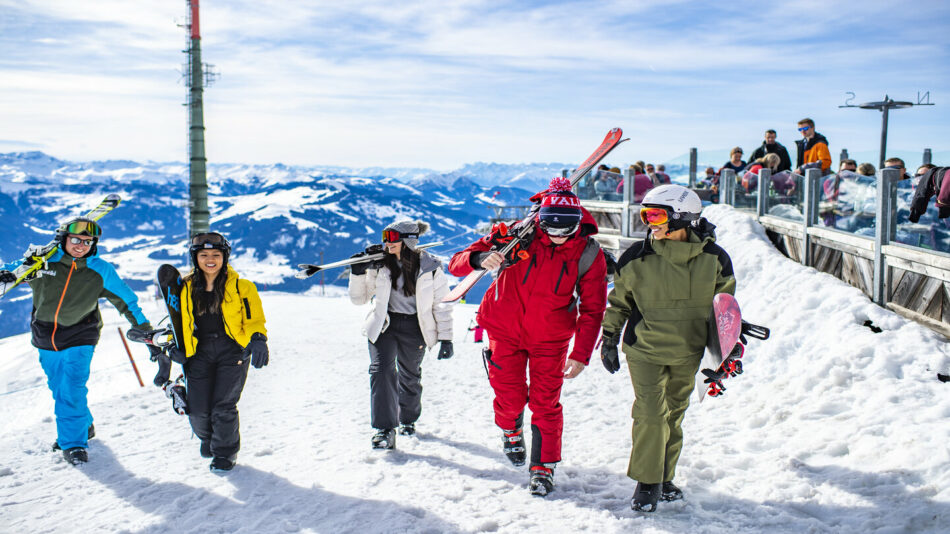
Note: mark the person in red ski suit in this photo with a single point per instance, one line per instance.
(530, 313)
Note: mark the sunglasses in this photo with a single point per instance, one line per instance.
(393, 236)
(558, 231)
(84, 228)
(804, 128)
(87, 242)
(655, 216)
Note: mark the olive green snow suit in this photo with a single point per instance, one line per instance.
(663, 292)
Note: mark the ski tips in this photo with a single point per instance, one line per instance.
(307, 270)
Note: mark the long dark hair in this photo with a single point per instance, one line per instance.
(408, 264)
(198, 283)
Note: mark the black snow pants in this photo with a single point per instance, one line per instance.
(215, 379)
(395, 372)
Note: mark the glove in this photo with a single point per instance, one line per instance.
(358, 269)
(501, 236)
(257, 349)
(164, 367)
(7, 277)
(446, 351)
(609, 354)
(155, 353)
(177, 355)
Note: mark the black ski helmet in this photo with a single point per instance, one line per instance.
(79, 226)
(209, 240)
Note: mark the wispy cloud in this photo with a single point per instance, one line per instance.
(431, 83)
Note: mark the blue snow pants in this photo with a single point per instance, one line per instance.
(67, 371)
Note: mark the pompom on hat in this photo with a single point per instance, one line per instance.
(560, 208)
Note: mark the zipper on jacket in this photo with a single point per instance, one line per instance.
(52, 337)
(563, 270)
(530, 265)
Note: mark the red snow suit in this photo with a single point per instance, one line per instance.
(531, 313)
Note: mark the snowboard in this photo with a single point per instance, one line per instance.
(724, 326)
(725, 345)
(169, 285)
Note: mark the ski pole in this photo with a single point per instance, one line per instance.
(129, 352)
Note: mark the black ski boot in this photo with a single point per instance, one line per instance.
(76, 455)
(90, 433)
(645, 497)
(670, 492)
(407, 429)
(221, 464)
(542, 479)
(513, 441)
(384, 439)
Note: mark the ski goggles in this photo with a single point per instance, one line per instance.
(558, 231)
(209, 240)
(655, 216)
(393, 236)
(83, 228)
(77, 241)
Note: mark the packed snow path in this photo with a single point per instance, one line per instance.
(832, 428)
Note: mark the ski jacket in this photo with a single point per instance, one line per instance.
(66, 300)
(663, 291)
(814, 154)
(241, 311)
(785, 162)
(435, 316)
(532, 304)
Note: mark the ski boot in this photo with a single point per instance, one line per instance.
(384, 439)
(513, 441)
(76, 455)
(645, 497)
(407, 429)
(542, 479)
(670, 492)
(222, 464)
(91, 433)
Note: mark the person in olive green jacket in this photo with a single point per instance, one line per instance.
(663, 291)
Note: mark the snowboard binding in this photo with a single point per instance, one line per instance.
(178, 394)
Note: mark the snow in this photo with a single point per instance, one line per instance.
(832, 428)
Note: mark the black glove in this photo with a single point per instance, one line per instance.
(609, 354)
(446, 351)
(257, 349)
(177, 355)
(155, 353)
(358, 269)
(164, 366)
(7, 277)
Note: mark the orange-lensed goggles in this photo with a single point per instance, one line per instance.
(393, 236)
(654, 215)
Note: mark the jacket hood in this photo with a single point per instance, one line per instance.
(428, 263)
(588, 227)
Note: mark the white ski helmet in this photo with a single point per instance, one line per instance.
(683, 204)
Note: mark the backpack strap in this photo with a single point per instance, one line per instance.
(587, 257)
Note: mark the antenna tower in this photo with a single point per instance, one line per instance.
(197, 76)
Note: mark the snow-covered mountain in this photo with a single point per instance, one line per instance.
(276, 216)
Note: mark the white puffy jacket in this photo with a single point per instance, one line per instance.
(435, 316)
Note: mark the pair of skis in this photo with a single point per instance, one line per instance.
(27, 270)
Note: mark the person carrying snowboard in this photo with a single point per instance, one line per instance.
(530, 313)
(222, 332)
(66, 323)
(663, 291)
(408, 316)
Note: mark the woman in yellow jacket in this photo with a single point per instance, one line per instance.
(222, 331)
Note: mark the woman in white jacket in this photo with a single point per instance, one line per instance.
(408, 317)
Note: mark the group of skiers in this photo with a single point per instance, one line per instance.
(551, 288)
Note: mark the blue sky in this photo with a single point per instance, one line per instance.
(438, 84)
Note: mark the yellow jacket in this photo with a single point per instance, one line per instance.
(241, 310)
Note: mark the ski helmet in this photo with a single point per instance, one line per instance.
(209, 240)
(683, 206)
(79, 226)
(560, 213)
